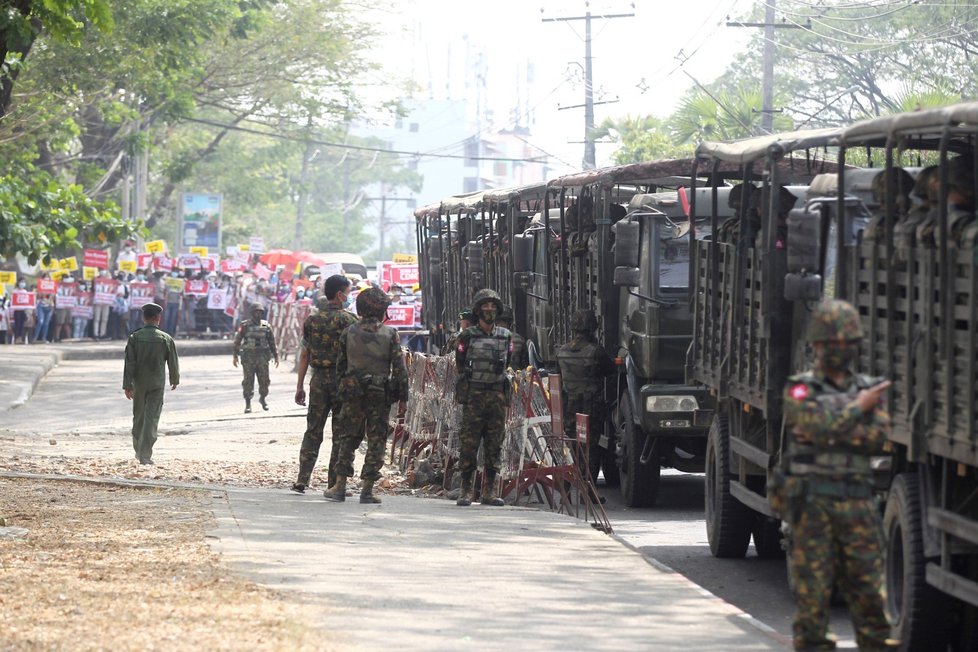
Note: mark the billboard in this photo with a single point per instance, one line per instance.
(200, 221)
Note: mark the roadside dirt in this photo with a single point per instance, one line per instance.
(95, 567)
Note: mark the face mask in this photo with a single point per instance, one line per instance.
(838, 357)
(140, 277)
(489, 315)
(348, 301)
(299, 295)
(22, 285)
(174, 274)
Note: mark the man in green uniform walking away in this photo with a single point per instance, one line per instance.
(835, 422)
(372, 376)
(255, 343)
(320, 348)
(149, 352)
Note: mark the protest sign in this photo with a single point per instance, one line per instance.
(208, 264)
(89, 273)
(404, 275)
(243, 248)
(174, 284)
(330, 269)
(231, 250)
(140, 293)
(217, 298)
(188, 261)
(56, 275)
(400, 316)
(404, 258)
(4, 320)
(256, 244)
(155, 246)
(65, 296)
(97, 258)
(49, 266)
(70, 264)
(195, 287)
(232, 266)
(200, 251)
(128, 266)
(8, 278)
(232, 307)
(83, 306)
(105, 290)
(262, 272)
(144, 261)
(47, 285)
(163, 263)
(23, 300)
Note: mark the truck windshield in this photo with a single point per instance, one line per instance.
(672, 263)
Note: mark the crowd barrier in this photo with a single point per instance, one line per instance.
(286, 320)
(535, 463)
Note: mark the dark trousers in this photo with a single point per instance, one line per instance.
(147, 405)
(322, 401)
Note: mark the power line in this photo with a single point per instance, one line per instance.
(364, 148)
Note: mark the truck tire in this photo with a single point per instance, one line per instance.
(639, 482)
(767, 537)
(915, 609)
(609, 467)
(728, 522)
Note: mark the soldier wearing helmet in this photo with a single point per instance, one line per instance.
(520, 358)
(372, 374)
(255, 344)
(465, 320)
(583, 365)
(481, 356)
(835, 423)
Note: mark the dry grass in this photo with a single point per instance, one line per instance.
(105, 567)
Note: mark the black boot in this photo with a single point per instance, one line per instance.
(264, 405)
(465, 497)
(247, 405)
(489, 495)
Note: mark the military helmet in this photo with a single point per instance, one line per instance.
(373, 302)
(505, 315)
(834, 320)
(257, 308)
(484, 296)
(584, 321)
(467, 316)
(961, 174)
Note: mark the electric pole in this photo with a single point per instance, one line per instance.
(767, 62)
(589, 153)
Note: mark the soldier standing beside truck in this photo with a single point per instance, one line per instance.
(835, 423)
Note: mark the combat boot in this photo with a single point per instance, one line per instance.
(264, 405)
(489, 495)
(367, 493)
(465, 496)
(337, 492)
(247, 405)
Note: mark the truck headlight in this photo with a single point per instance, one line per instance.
(671, 404)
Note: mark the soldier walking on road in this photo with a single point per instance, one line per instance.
(255, 344)
(149, 352)
(320, 349)
(372, 376)
(583, 365)
(835, 423)
(481, 356)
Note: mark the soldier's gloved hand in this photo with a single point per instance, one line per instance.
(300, 396)
(234, 361)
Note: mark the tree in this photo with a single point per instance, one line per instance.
(641, 138)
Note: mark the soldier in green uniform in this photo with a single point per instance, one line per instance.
(320, 348)
(835, 422)
(520, 359)
(149, 352)
(583, 365)
(465, 320)
(255, 344)
(372, 374)
(481, 356)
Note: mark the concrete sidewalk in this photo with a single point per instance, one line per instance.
(23, 366)
(423, 574)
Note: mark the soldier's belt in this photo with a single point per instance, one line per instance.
(843, 490)
(325, 365)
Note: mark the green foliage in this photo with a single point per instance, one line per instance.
(41, 217)
(641, 138)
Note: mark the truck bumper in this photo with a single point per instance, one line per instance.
(680, 410)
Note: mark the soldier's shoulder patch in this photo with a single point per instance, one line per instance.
(799, 391)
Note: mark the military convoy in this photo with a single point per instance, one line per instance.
(707, 317)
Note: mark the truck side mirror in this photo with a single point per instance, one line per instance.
(802, 287)
(627, 243)
(627, 277)
(804, 246)
(522, 253)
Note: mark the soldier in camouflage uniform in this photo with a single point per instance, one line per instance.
(583, 365)
(481, 356)
(370, 365)
(835, 423)
(320, 349)
(520, 359)
(255, 344)
(465, 320)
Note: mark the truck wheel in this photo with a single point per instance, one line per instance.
(639, 482)
(914, 608)
(767, 537)
(609, 466)
(728, 522)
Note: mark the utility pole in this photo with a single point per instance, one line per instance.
(382, 222)
(767, 62)
(589, 152)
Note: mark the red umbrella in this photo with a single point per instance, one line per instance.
(274, 257)
(307, 257)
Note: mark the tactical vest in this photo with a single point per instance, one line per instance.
(486, 358)
(255, 337)
(821, 464)
(368, 353)
(578, 368)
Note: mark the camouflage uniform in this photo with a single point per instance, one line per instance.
(583, 365)
(465, 315)
(255, 344)
(520, 358)
(321, 338)
(835, 526)
(481, 359)
(370, 366)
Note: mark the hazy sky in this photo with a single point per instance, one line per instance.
(531, 68)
